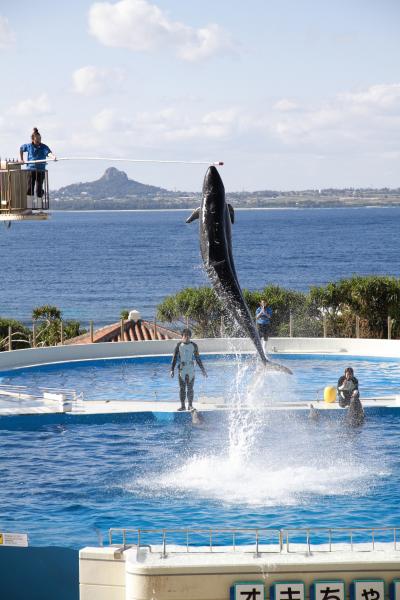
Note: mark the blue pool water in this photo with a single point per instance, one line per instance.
(148, 378)
(67, 484)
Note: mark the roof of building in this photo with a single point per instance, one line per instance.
(133, 331)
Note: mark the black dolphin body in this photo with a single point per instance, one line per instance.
(355, 413)
(215, 217)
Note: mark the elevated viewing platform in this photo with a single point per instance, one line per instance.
(15, 202)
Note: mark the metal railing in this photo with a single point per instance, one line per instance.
(321, 539)
(22, 392)
(19, 188)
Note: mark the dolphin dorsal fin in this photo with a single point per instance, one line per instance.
(195, 215)
(231, 213)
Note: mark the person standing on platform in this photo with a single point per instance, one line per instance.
(36, 171)
(263, 320)
(185, 354)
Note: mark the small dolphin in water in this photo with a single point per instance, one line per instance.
(355, 413)
(313, 414)
(197, 418)
(215, 217)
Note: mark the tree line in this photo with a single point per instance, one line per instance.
(359, 305)
(47, 324)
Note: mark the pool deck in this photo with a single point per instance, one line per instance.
(207, 404)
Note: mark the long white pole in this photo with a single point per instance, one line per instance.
(218, 163)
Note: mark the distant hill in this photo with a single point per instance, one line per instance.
(115, 191)
(113, 183)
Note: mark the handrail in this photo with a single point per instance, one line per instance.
(290, 535)
(22, 392)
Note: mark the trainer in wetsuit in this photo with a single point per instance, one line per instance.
(186, 352)
(347, 388)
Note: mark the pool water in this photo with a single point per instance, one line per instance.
(66, 485)
(148, 378)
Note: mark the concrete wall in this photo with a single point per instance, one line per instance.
(105, 575)
(59, 354)
(39, 574)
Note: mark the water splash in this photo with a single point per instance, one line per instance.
(265, 457)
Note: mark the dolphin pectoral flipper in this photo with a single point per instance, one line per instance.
(195, 215)
(217, 263)
(231, 213)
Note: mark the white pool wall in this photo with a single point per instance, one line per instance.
(326, 346)
(109, 574)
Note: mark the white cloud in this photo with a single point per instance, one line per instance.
(7, 36)
(31, 107)
(109, 120)
(382, 96)
(285, 105)
(92, 81)
(140, 26)
(333, 132)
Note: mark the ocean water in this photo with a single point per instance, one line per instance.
(93, 264)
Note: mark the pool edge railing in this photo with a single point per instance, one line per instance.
(286, 540)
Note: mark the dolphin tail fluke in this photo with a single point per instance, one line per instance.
(272, 366)
(195, 215)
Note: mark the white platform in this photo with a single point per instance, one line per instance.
(104, 407)
(113, 574)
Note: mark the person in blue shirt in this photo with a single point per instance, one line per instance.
(36, 171)
(263, 319)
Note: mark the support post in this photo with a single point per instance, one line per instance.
(9, 337)
(122, 330)
(61, 333)
(91, 331)
(357, 326)
(325, 325)
(155, 327)
(389, 327)
(33, 335)
(290, 324)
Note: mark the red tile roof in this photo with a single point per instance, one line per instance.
(133, 331)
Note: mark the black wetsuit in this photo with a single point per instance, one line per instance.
(345, 395)
(185, 355)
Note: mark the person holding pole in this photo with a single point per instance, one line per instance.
(36, 150)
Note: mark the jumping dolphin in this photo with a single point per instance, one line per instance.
(215, 217)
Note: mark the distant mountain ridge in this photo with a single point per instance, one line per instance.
(115, 191)
(113, 183)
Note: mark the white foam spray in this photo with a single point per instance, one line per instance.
(264, 457)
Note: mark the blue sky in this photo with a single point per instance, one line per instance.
(290, 94)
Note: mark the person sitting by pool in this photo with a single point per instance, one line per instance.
(186, 352)
(347, 388)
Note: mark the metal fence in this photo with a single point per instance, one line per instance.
(255, 541)
(23, 190)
